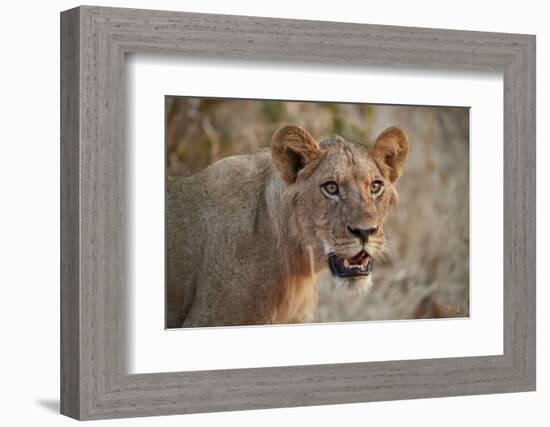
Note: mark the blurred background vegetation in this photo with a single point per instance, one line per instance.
(426, 274)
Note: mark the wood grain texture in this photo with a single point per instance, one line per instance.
(95, 240)
(70, 220)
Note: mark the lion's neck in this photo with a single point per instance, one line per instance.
(291, 242)
(296, 291)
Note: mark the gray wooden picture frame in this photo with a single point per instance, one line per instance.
(94, 41)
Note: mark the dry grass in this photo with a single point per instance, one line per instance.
(427, 272)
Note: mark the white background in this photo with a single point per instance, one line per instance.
(29, 214)
(152, 349)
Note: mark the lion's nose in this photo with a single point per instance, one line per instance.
(362, 233)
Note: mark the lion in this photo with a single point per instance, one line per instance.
(246, 236)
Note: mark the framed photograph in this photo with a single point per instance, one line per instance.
(261, 213)
(300, 227)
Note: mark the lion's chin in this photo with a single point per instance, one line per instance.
(359, 284)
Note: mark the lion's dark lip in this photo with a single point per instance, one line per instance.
(338, 267)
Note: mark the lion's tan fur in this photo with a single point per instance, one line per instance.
(247, 235)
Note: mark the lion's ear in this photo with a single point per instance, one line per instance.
(292, 149)
(390, 152)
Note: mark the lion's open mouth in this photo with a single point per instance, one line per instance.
(358, 265)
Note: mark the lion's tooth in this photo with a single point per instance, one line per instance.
(346, 263)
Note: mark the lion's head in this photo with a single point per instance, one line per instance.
(339, 194)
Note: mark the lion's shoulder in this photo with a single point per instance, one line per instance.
(230, 194)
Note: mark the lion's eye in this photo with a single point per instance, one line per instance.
(376, 188)
(331, 188)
